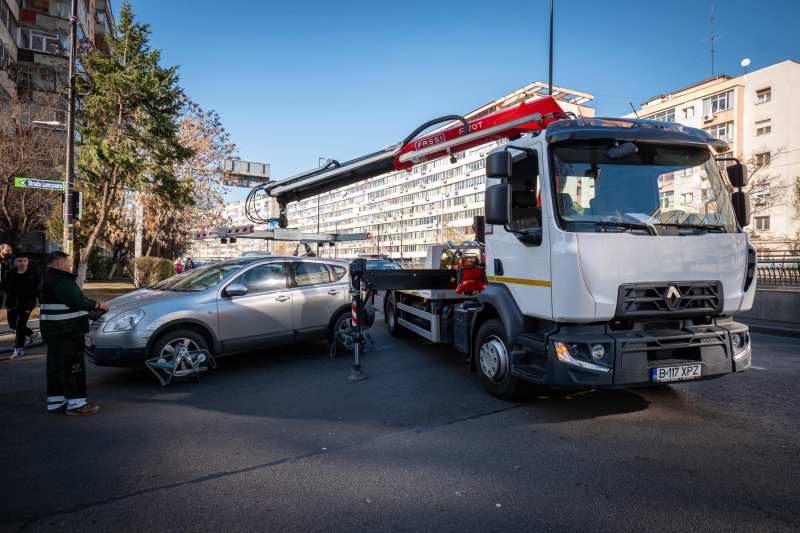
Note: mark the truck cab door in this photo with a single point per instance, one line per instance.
(519, 252)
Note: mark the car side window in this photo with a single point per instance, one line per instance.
(311, 274)
(264, 278)
(338, 272)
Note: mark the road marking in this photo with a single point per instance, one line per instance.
(754, 367)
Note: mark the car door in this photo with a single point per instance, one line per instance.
(263, 315)
(316, 297)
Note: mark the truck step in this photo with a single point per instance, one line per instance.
(528, 373)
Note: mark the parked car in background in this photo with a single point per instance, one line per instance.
(237, 305)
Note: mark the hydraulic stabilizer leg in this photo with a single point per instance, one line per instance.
(357, 270)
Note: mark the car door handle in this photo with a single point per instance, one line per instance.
(333, 292)
(282, 298)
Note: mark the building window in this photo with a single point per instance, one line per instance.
(722, 131)
(688, 112)
(668, 115)
(687, 198)
(762, 223)
(764, 95)
(763, 127)
(665, 198)
(718, 102)
(42, 41)
(762, 159)
(5, 57)
(7, 18)
(761, 195)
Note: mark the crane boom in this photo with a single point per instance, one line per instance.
(525, 117)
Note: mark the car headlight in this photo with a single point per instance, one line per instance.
(125, 321)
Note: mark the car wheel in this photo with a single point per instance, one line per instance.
(171, 341)
(392, 324)
(340, 333)
(493, 360)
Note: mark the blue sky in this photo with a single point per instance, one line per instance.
(294, 81)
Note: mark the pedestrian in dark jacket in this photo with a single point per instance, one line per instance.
(64, 321)
(5, 266)
(21, 289)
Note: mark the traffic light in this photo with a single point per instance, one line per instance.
(75, 205)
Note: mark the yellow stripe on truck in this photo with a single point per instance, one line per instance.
(520, 281)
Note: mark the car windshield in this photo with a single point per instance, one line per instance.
(648, 188)
(198, 279)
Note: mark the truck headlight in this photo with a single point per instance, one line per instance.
(125, 321)
(740, 340)
(571, 354)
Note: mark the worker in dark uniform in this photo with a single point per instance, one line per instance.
(64, 321)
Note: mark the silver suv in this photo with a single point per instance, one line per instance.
(238, 305)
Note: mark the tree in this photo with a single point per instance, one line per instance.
(202, 133)
(26, 150)
(766, 189)
(128, 128)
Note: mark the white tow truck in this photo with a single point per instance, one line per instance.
(585, 277)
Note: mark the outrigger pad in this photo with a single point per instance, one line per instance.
(180, 364)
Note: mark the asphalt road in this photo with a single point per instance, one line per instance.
(281, 441)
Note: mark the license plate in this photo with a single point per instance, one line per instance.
(677, 373)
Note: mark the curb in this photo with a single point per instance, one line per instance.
(6, 330)
(771, 328)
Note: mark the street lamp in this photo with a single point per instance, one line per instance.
(69, 228)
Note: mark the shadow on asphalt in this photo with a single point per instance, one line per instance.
(411, 384)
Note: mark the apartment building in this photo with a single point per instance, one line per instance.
(759, 115)
(404, 212)
(34, 47)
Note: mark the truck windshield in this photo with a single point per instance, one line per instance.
(653, 189)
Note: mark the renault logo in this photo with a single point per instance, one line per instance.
(673, 297)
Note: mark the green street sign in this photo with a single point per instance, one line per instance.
(34, 183)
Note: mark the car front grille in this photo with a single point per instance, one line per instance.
(684, 298)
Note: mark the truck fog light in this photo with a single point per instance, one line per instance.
(598, 352)
(737, 341)
(563, 353)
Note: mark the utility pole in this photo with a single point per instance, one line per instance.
(550, 66)
(69, 185)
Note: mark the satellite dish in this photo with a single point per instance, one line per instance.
(745, 62)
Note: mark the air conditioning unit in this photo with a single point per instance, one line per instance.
(708, 117)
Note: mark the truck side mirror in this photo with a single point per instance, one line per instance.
(498, 165)
(737, 175)
(741, 207)
(498, 203)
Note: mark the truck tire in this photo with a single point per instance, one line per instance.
(493, 361)
(392, 324)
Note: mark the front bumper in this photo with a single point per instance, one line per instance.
(631, 356)
(122, 349)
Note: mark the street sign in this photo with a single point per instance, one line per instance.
(34, 183)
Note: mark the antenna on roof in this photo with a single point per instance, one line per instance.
(713, 35)
(634, 109)
(745, 63)
(550, 66)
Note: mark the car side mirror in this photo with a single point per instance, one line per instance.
(498, 165)
(498, 204)
(741, 207)
(737, 175)
(235, 289)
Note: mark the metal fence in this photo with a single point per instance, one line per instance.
(779, 268)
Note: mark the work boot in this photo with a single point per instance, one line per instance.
(86, 409)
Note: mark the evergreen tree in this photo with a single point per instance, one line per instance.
(128, 133)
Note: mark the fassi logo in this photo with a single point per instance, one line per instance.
(439, 138)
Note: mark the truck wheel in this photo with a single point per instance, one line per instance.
(392, 324)
(493, 360)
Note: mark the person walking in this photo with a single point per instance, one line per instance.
(21, 288)
(178, 266)
(64, 321)
(189, 263)
(5, 266)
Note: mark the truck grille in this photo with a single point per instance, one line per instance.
(684, 298)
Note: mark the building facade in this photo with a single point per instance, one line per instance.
(759, 115)
(34, 49)
(406, 211)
